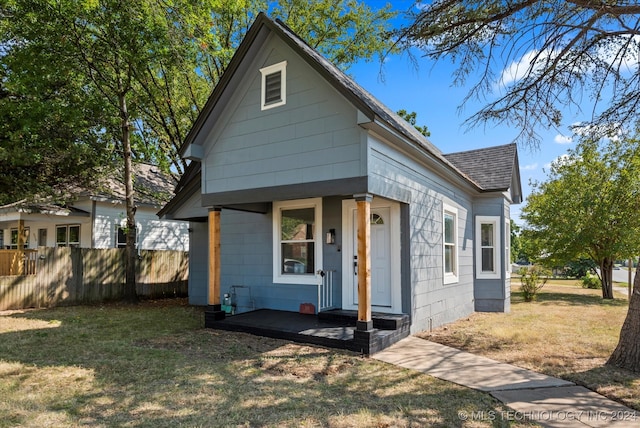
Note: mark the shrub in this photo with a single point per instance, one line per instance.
(532, 280)
(591, 281)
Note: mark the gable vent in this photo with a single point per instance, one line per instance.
(273, 88)
(274, 85)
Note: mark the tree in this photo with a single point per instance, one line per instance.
(538, 56)
(411, 118)
(627, 352)
(588, 207)
(150, 66)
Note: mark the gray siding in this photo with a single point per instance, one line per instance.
(396, 175)
(198, 263)
(247, 261)
(493, 295)
(314, 137)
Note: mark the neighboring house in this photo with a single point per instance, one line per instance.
(301, 179)
(94, 218)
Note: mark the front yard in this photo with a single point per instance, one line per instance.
(569, 332)
(154, 365)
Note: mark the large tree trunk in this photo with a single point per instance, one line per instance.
(130, 293)
(627, 353)
(606, 276)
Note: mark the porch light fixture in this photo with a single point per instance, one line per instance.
(331, 237)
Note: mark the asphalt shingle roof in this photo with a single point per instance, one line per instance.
(492, 167)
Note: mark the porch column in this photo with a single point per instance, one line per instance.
(365, 322)
(214, 311)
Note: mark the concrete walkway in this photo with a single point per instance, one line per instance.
(548, 401)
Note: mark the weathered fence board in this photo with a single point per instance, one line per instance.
(68, 276)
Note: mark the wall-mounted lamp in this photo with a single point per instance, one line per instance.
(331, 236)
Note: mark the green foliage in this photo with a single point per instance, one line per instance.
(411, 118)
(70, 70)
(588, 207)
(532, 280)
(591, 281)
(580, 268)
(595, 56)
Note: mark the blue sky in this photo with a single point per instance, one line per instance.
(428, 91)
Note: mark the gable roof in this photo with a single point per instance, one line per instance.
(492, 167)
(373, 109)
(377, 116)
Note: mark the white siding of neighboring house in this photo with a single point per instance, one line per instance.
(154, 234)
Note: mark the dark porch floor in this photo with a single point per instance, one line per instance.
(333, 329)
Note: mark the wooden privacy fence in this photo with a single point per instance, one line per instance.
(72, 276)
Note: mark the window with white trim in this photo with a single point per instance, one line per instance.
(297, 244)
(487, 247)
(450, 243)
(274, 85)
(68, 235)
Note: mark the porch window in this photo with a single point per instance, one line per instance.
(14, 238)
(297, 247)
(274, 85)
(68, 236)
(487, 247)
(450, 239)
(1, 239)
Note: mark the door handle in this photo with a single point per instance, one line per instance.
(355, 265)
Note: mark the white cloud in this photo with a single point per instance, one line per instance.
(529, 62)
(563, 139)
(530, 167)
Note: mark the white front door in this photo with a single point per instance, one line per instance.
(385, 256)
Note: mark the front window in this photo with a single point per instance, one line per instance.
(297, 250)
(450, 220)
(487, 254)
(68, 236)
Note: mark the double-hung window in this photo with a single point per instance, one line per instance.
(68, 235)
(488, 247)
(297, 245)
(450, 243)
(274, 85)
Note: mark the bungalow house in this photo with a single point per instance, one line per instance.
(94, 218)
(305, 192)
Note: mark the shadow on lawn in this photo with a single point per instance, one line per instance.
(609, 379)
(572, 299)
(156, 366)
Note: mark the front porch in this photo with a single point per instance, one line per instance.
(333, 329)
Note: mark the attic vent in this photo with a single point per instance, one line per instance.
(274, 88)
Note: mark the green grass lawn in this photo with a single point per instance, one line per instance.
(154, 365)
(569, 332)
